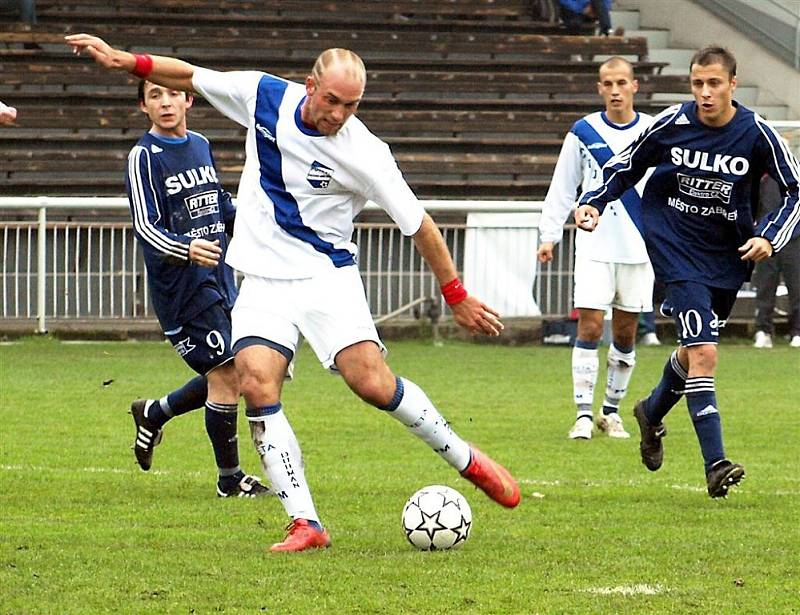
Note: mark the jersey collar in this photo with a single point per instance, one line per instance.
(618, 126)
(311, 132)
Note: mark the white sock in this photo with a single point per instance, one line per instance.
(282, 460)
(420, 416)
(620, 369)
(585, 366)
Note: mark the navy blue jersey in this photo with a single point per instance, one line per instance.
(175, 197)
(698, 205)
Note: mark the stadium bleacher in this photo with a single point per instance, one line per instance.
(473, 96)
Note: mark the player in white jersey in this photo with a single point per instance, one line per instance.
(310, 168)
(612, 269)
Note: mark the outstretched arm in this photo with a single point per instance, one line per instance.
(468, 311)
(7, 115)
(169, 72)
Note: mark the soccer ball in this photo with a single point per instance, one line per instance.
(437, 518)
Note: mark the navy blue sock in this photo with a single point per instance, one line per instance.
(315, 524)
(190, 396)
(701, 398)
(155, 414)
(668, 391)
(221, 429)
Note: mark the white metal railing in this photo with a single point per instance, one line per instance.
(61, 262)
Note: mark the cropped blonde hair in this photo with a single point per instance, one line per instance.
(342, 57)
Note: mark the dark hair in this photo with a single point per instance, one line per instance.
(714, 54)
(140, 90)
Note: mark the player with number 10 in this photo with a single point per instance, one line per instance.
(697, 210)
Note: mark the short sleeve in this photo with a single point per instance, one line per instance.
(390, 191)
(232, 93)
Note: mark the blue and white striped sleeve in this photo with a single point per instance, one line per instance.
(624, 170)
(147, 210)
(560, 198)
(781, 225)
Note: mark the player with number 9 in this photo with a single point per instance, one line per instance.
(181, 215)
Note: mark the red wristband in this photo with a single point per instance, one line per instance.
(144, 65)
(454, 292)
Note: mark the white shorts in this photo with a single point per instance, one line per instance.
(329, 310)
(626, 287)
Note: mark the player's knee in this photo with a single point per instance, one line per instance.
(702, 358)
(374, 387)
(257, 389)
(223, 383)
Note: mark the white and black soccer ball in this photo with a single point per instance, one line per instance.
(437, 518)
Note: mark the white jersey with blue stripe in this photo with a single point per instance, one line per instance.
(300, 190)
(590, 143)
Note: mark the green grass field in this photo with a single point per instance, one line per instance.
(83, 530)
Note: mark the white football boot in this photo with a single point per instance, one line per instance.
(582, 429)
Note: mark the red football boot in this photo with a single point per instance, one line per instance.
(492, 478)
(302, 535)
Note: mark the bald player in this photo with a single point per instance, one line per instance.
(311, 166)
(612, 270)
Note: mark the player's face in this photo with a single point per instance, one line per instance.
(332, 100)
(617, 87)
(713, 89)
(166, 109)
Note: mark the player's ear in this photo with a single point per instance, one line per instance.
(733, 83)
(635, 85)
(310, 85)
(189, 100)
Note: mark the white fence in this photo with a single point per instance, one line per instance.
(77, 259)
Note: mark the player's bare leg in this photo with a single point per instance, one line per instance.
(261, 372)
(366, 373)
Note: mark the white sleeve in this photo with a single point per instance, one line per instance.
(561, 196)
(386, 186)
(232, 93)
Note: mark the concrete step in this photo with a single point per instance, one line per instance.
(627, 19)
(770, 112)
(670, 98)
(656, 39)
(678, 59)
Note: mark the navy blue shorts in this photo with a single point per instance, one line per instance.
(205, 342)
(699, 311)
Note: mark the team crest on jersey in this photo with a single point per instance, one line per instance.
(184, 347)
(319, 176)
(202, 204)
(705, 188)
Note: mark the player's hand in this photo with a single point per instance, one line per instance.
(7, 115)
(205, 253)
(477, 317)
(756, 249)
(587, 217)
(545, 252)
(101, 52)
